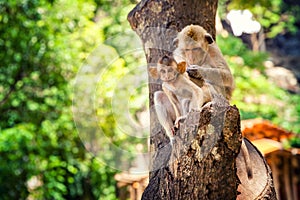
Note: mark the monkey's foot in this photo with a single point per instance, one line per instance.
(178, 120)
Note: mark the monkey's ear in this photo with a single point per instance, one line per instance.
(175, 42)
(153, 72)
(209, 38)
(181, 67)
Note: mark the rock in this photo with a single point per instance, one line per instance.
(283, 78)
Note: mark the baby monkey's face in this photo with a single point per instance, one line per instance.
(168, 72)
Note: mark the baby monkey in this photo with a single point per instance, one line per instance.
(179, 96)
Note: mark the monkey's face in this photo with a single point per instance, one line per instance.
(193, 54)
(167, 73)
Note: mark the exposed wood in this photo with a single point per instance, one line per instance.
(285, 166)
(266, 146)
(204, 167)
(131, 185)
(261, 185)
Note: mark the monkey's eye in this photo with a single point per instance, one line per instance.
(197, 49)
(187, 50)
(170, 70)
(163, 71)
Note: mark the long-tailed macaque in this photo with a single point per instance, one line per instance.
(179, 96)
(205, 60)
(197, 47)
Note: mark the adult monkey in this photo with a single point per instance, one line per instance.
(199, 50)
(206, 61)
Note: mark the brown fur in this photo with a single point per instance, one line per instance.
(179, 96)
(209, 66)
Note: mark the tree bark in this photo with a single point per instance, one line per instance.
(201, 163)
(157, 24)
(202, 160)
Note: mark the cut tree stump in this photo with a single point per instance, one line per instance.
(202, 162)
(261, 185)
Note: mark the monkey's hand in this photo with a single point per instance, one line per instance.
(178, 120)
(195, 75)
(193, 72)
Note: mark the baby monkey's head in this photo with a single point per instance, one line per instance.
(169, 69)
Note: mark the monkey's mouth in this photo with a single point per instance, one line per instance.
(172, 79)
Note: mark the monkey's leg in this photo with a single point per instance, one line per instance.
(197, 99)
(165, 112)
(185, 104)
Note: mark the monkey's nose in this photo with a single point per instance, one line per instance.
(190, 59)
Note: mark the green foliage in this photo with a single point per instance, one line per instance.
(43, 43)
(17, 160)
(255, 95)
(295, 142)
(233, 47)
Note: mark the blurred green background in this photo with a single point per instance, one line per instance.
(43, 45)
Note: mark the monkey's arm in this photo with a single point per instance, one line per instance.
(215, 70)
(213, 75)
(219, 78)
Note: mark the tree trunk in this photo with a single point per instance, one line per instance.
(202, 161)
(201, 164)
